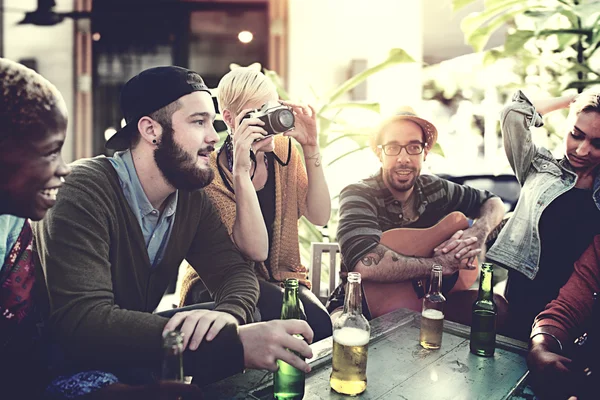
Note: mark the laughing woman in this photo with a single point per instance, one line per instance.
(33, 126)
(261, 189)
(33, 122)
(557, 215)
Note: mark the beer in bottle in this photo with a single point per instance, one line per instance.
(483, 324)
(172, 367)
(288, 381)
(432, 317)
(351, 333)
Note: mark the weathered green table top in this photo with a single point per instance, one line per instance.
(399, 368)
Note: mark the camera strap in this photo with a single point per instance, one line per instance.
(289, 155)
(228, 149)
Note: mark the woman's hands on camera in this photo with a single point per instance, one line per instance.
(305, 131)
(246, 133)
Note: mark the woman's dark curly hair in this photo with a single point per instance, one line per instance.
(28, 104)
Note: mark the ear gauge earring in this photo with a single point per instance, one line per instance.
(154, 141)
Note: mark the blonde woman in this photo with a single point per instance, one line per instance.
(261, 189)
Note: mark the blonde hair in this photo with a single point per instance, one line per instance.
(587, 101)
(241, 85)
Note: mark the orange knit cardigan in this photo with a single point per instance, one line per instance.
(291, 187)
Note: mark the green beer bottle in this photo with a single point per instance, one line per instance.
(483, 325)
(288, 382)
(172, 366)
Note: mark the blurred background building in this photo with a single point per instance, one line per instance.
(89, 48)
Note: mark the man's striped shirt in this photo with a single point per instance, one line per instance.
(368, 208)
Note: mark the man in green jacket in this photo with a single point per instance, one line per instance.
(119, 230)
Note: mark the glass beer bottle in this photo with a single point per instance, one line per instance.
(172, 366)
(351, 333)
(432, 317)
(484, 313)
(288, 381)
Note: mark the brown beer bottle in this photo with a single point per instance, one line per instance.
(432, 317)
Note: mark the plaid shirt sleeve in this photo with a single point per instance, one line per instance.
(358, 229)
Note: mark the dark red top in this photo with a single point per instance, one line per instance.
(573, 306)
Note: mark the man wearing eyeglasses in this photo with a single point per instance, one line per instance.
(398, 196)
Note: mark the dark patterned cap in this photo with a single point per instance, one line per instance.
(150, 91)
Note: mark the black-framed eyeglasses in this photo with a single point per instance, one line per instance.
(393, 149)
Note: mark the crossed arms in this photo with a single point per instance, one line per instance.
(364, 253)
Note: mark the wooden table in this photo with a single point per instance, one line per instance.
(399, 368)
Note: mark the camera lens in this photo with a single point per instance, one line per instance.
(286, 119)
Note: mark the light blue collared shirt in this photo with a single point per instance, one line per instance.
(10, 229)
(156, 227)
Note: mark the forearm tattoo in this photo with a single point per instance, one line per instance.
(375, 257)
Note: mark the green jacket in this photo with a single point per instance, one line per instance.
(101, 287)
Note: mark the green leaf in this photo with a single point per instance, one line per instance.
(572, 16)
(458, 4)
(324, 124)
(359, 138)
(437, 149)
(565, 41)
(373, 107)
(222, 137)
(328, 122)
(476, 20)
(516, 41)
(587, 9)
(276, 79)
(581, 68)
(346, 135)
(312, 230)
(347, 154)
(576, 32)
(595, 40)
(498, 3)
(582, 84)
(478, 27)
(396, 56)
(491, 56)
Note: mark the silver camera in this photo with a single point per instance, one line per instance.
(277, 117)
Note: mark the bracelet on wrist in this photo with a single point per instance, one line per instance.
(560, 346)
(316, 157)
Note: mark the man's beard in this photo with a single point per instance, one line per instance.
(400, 187)
(178, 167)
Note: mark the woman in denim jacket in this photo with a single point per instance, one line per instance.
(558, 212)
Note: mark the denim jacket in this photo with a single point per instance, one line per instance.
(542, 179)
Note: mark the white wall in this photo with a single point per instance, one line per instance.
(325, 35)
(51, 46)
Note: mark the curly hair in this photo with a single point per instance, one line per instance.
(28, 103)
